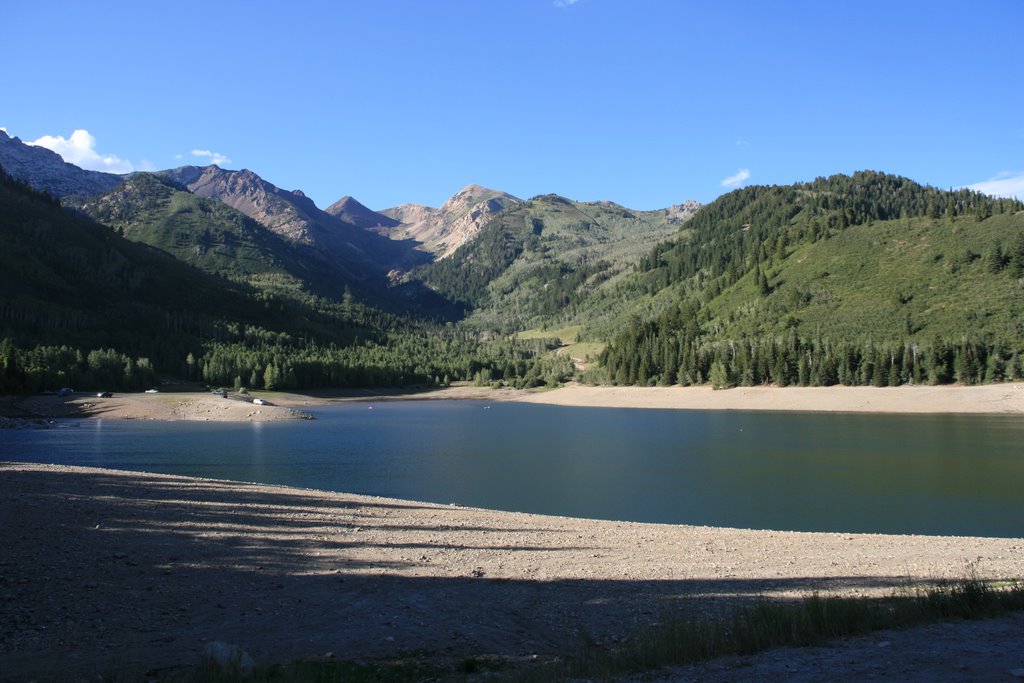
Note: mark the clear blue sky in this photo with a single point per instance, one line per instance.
(642, 102)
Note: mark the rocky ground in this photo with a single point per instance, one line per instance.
(105, 570)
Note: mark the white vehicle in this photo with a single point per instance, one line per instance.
(152, 391)
(259, 401)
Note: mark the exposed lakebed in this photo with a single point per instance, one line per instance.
(948, 474)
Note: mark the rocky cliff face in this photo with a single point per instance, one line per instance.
(46, 170)
(441, 231)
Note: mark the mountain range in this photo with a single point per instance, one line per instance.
(801, 278)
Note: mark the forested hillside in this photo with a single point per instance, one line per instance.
(81, 305)
(863, 279)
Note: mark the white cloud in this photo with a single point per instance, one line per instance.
(565, 3)
(213, 157)
(80, 150)
(179, 157)
(1006, 184)
(3, 129)
(740, 142)
(736, 180)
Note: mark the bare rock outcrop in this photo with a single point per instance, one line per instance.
(443, 230)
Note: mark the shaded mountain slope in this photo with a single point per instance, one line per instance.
(68, 280)
(349, 210)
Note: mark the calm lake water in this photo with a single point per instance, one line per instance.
(961, 475)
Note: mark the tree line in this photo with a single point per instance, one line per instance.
(648, 355)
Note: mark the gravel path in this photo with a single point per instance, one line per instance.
(105, 568)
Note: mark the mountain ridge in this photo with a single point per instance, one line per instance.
(46, 170)
(362, 254)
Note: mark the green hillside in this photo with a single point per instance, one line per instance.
(863, 279)
(81, 305)
(536, 263)
(209, 235)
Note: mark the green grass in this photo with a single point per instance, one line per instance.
(585, 350)
(766, 625)
(566, 334)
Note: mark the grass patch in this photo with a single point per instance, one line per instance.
(673, 642)
(766, 625)
(566, 335)
(586, 350)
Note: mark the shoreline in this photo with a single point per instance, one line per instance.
(988, 399)
(106, 565)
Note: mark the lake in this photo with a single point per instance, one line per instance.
(957, 475)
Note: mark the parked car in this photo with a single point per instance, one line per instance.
(220, 392)
(152, 391)
(259, 401)
(104, 394)
(66, 391)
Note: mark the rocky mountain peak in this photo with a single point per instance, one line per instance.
(352, 211)
(442, 231)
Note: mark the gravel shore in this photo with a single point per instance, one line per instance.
(202, 406)
(138, 571)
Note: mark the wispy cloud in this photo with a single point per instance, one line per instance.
(80, 150)
(565, 3)
(1006, 184)
(740, 142)
(736, 180)
(212, 157)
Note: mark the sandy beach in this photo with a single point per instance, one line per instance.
(139, 571)
(989, 398)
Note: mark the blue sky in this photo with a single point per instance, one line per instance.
(642, 102)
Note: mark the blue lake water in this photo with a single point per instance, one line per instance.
(960, 475)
